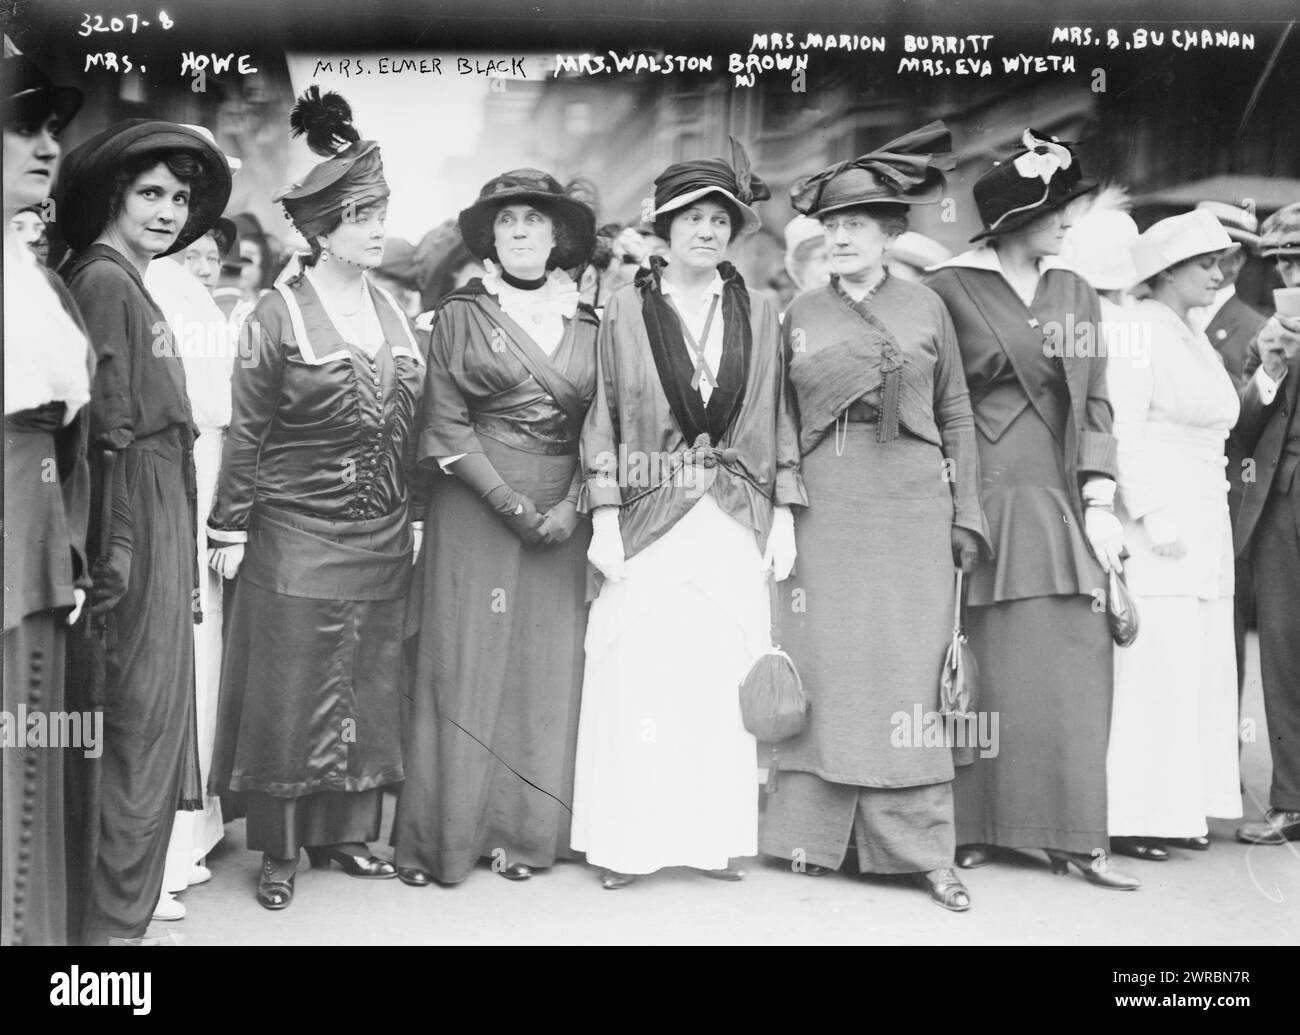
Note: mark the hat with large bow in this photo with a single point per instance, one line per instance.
(906, 171)
(685, 183)
(1042, 177)
(531, 187)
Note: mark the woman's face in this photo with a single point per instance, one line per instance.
(203, 259)
(812, 265)
(699, 235)
(359, 238)
(28, 226)
(153, 213)
(1194, 281)
(31, 155)
(250, 270)
(1046, 234)
(855, 242)
(524, 238)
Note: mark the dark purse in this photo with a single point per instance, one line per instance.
(1121, 612)
(959, 679)
(772, 701)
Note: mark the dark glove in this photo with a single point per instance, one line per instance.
(110, 575)
(518, 512)
(965, 549)
(559, 522)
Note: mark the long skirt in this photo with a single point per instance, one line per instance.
(1045, 671)
(666, 771)
(1173, 733)
(492, 722)
(33, 865)
(280, 827)
(149, 765)
(894, 830)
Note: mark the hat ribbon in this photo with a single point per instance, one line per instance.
(903, 164)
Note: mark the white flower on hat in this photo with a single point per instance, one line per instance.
(1043, 165)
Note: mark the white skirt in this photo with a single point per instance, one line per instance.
(1173, 754)
(665, 768)
(194, 834)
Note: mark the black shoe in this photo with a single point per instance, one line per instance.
(367, 867)
(1139, 848)
(970, 857)
(1095, 869)
(1276, 828)
(517, 871)
(415, 877)
(274, 888)
(1195, 844)
(813, 870)
(726, 873)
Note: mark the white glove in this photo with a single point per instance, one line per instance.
(78, 602)
(1105, 536)
(417, 540)
(779, 558)
(225, 560)
(606, 549)
(1165, 535)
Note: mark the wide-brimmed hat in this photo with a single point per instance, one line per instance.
(1098, 245)
(1177, 238)
(31, 98)
(918, 250)
(1040, 178)
(1280, 234)
(1242, 226)
(87, 176)
(530, 187)
(350, 178)
(684, 183)
(908, 170)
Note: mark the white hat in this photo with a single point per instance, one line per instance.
(203, 131)
(1241, 225)
(918, 250)
(799, 231)
(1097, 247)
(1172, 240)
(749, 221)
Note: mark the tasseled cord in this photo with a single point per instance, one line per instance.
(891, 365)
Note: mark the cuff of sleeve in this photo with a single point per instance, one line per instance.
(790, 491)
(1099, 491)
(224, 537)
(968, 514)
(1097, 455)
(605, 495)
(445, 462)
(1267, 386)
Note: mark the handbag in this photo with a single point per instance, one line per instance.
(959, 679)
(772, 700)
(1121, 612)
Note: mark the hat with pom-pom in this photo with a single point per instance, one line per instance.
(350, 178)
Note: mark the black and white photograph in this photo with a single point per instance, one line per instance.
(547, 473)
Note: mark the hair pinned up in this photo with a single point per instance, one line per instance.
(323, 118)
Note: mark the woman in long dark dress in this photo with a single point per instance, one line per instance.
(1047, 462)
(889, 460)
(137, 191)
(48, 365)
(311, 513)
(493, 718)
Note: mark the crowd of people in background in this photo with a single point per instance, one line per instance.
(499, 521)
